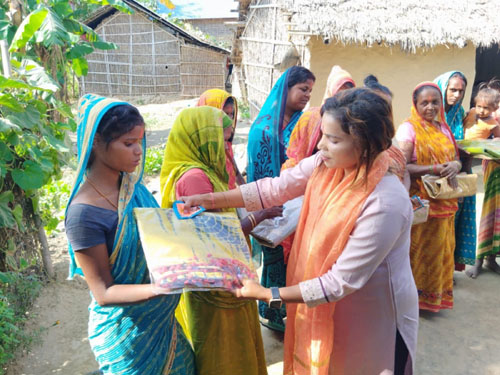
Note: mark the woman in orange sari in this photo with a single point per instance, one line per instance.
(430, 148)
(352, 304)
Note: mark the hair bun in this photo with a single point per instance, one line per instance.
(370, 79)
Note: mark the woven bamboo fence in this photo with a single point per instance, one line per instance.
(264, 42)
(150, 61)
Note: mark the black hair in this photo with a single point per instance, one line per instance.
(229, 100)
(366, 116)
(118, 120)
(299, 74)
(493, 83)
(422, 88)
(372, 82)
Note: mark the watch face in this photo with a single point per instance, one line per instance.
(275, 303)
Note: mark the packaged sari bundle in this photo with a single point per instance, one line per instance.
(205, 252)
(481, 148)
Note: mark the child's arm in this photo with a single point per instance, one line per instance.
(496, 131)
(470, 119)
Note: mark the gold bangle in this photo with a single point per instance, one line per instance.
(252, 219)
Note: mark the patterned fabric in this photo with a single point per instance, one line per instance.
(195, 141)
(489, 226)
(267, 145)
(217, 98)
(432, 262)
(142, 338)
(332, 204)
(433, 242)
(465, 219)
(223, 329)
(456, 113)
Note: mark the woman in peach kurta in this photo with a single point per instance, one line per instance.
(351, 300)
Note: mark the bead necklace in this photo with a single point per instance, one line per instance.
(101, 194)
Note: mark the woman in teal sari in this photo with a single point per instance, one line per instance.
(132, 331)
(452, 85)
(267, 144)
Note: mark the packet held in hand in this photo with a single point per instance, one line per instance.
(205, 252)
(271, 232)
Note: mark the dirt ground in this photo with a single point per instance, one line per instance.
(462, 341)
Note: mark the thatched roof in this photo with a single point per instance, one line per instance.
(104, 12)
(409, 23)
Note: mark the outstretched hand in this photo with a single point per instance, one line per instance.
(252, 290)
(192, 202)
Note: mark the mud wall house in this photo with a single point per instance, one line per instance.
(154, 57)
(402, 42)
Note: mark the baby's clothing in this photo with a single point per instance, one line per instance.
(481, 129)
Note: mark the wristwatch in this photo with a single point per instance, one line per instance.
(275, 301)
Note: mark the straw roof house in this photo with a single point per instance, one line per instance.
(402, 42)
(155, 57)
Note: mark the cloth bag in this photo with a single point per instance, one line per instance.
(420, 210)
(206, 252)
(438, 187)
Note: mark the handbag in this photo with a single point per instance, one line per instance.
(438, 188)
(420, 210)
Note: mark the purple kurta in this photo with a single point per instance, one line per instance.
(371, 281)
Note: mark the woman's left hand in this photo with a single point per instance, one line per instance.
(252, 290)
(450, 169)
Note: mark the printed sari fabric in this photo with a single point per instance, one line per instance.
(465, 218)
(223, 330)
(268, 141)
(433, 242)
(217, 98)
(489, 226)
(142, 338)
(332, 204)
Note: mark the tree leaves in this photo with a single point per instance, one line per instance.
(52, 32)
(30, 25)
(6, 217)
(80, 66)
(32, 177)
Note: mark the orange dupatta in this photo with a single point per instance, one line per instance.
(217, 98)
(432, 146)
(332, 204)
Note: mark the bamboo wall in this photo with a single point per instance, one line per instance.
(150, 61)
(264, 43)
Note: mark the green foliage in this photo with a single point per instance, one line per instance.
(18, 292)
(154, 159)
(243, 111)
(52, 203)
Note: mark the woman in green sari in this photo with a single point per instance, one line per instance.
(223, 330)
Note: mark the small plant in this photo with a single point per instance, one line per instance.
(154, 160)
(18, 292)
(52, 203)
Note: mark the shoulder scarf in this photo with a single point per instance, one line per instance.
(332, 204)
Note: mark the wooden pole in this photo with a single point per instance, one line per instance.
(5, 58)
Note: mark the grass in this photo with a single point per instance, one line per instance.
(154, 160)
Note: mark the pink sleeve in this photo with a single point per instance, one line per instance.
(194, 181)
(406, 133)
(270, 192)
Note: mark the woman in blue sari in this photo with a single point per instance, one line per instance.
(131, 330)
(267, 143)
(452, 85)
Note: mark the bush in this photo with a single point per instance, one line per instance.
(18, 292)
(154, 159)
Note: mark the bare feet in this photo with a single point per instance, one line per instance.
(492, 264)
(475, 270)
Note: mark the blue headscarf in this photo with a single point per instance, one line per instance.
(131, 339)
(267, 141)
(456, 113)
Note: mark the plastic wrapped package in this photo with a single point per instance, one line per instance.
(271, 232)
(206, 252)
